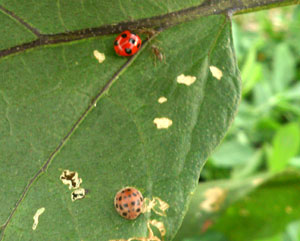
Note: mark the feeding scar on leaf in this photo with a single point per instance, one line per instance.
(186, 80)
(216, 72)
(70, 178)
(162, 123)
(78, 194)
(151, 237)
(36, 217)
(162, 100)
(214, 198)
(99, 56)
(156, 205)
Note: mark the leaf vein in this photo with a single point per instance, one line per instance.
(18, 19)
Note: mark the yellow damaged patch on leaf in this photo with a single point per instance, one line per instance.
(216, 72)
(214, 197)
(186, 79)
(78, 194)
(151, 237)
(162, 100)
(99, 56)
(156, 205)
(71, 179)
(36, 216)
(162, 123)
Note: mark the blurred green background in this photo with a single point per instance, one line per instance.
(263, 140)
(265, 133)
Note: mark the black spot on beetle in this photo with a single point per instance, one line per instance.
(138, 45)
(116, 42)
(138, 210)
(124, 214)
(128, 51)
(120, 198)
(117, 205)
(129, 196)
(133, 203)
(121, 207)
(124, 35)
(126, 205)
(134, 194)
(131, 40)
(141, 199)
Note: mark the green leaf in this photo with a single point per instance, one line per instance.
(285, 146)
(250, 209)
(284, 66)
(292, 231)
(208, 236)
(274, 238)
(70, 15)
(266, 211)
(11, 32)
(292, 93)
(211, 199)
(263, 97)
(251, 71)
(232, 153)
(295, 161)
(63, 110)
(250, 167)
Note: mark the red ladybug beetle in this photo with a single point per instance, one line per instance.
(127, 43)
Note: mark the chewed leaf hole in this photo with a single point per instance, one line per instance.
(157, 205)
(186, 79)
(162, 123)
(71, 179)
(78, 194)
(156, 232)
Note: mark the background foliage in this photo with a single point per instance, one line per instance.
(264, 138)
